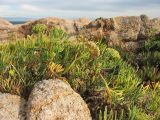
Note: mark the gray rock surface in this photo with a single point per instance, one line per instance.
(12, 107)
(56, 100)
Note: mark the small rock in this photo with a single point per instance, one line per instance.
(12, 107)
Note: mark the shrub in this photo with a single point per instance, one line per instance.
(96, 72)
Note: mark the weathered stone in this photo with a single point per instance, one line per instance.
(79, 23)
(7, 30)
(5, 22)
(69, 26)
(155, 24)
(55, 100)
(127, 28)
(12, 107)
(121, 31)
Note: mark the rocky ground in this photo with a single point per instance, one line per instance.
(49, 100)
(55, 99)
(128, 32)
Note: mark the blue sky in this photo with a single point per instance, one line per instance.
(78, 8)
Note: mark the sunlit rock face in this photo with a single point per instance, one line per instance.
(69, 26)
(8, 31)
(12, 107)
(56, 100)
(5, 28)
(127, 32)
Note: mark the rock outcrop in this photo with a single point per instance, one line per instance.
(69, 26)
(55, 100)
(155, 23)
(4, 23)
(12, 107)
(127, 32)
(5, 29)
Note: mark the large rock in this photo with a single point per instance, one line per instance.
(69, 26)
(5, 22)
(155, 23)
(12, 32)
(8, 31)
(12, 107)
(128, 32)
(55, 100)
(5, 28)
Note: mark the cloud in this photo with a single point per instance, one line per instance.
(78, 8)
(4, 7)
(31, 8)
(105, 5)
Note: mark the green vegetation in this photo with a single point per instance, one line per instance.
(110, 86)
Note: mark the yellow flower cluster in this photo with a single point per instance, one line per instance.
(55, 68)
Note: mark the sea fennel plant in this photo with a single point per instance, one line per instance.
(109, 85)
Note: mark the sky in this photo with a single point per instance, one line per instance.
(78, 8)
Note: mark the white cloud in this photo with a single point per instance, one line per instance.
(78, 8)
(4, 10)
(4, 7)
(31, 8)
